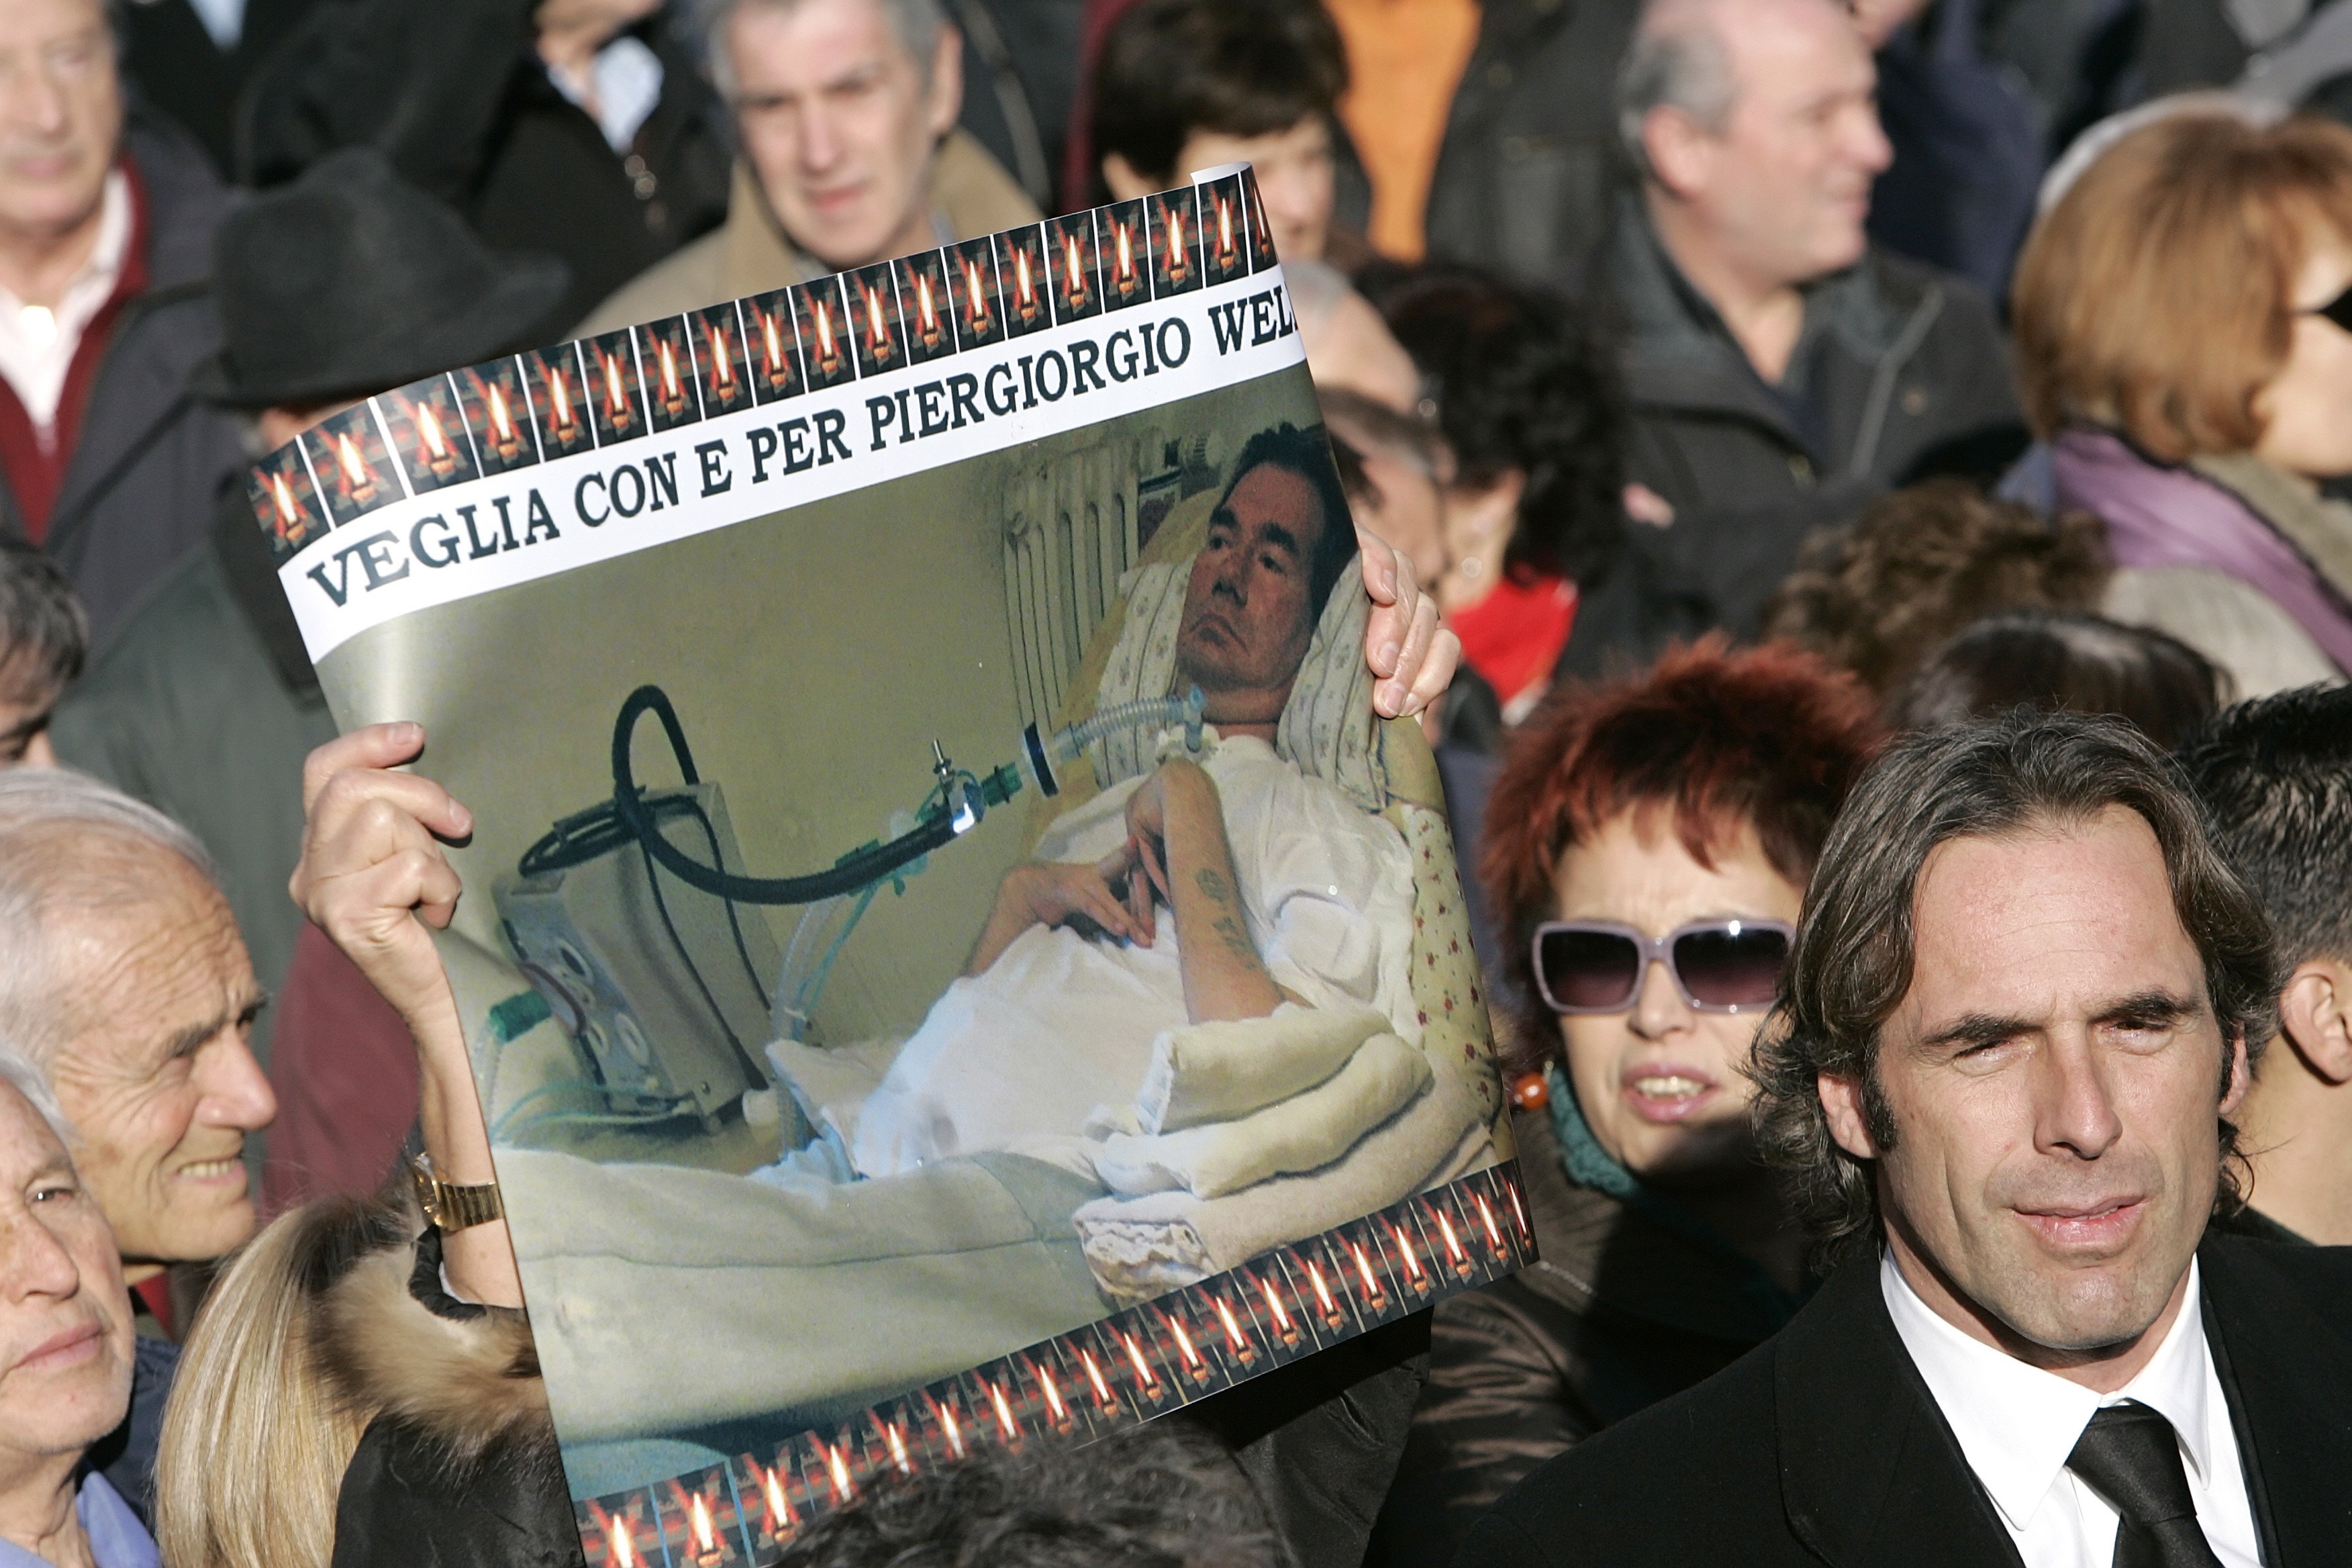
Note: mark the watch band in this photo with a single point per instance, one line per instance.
(451, 1206)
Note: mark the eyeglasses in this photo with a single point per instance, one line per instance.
(1719, 966)
(2339, 310)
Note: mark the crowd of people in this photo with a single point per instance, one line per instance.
(1858, 498)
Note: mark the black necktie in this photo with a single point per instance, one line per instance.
(2130, 1457)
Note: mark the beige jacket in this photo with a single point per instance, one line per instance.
(749, 254)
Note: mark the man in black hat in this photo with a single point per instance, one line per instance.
(343, 284)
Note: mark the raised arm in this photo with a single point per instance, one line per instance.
(373, 877)
(1176, 828)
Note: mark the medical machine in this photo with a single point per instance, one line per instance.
(629, 917)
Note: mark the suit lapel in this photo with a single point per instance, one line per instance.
(2288, 1372)
(1870, 1472)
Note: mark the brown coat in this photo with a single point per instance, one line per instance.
(1618, 1314)
(750, 254)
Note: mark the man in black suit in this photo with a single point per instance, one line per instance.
(2015, 1025)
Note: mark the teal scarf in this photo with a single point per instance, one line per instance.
(1590, 1166)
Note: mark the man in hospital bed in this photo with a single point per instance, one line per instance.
(674, 1296)
(1201, 891)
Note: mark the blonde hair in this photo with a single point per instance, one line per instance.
(2157, 295)
(258, 1431)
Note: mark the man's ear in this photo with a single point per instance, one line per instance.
(947, 81)
(2316, 1016)
(1678, 148)
(1124, 180)
(1841, 1103)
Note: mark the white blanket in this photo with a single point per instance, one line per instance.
(1215, 1072)
(1060, 1023)
(1304, 1132)
(1139, 1247)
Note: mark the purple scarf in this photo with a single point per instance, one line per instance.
(2158, 516)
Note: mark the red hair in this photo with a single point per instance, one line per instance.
(1769, 737)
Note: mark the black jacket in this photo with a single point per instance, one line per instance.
(453, 93)
(1824, 1447)
(1618, 1313)
(138, 490)
(182, 72)
(1526, 172)
(459, 1467)
(1900, 374)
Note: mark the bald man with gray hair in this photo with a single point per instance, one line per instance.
(127, 985)
(1782, 369)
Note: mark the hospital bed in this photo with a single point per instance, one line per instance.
(674, 1306)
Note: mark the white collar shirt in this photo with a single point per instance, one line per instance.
(36, 342)
(2017, 1423)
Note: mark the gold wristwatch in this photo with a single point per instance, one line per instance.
(450, 1206)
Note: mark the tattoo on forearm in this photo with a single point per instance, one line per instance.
(1227, 926)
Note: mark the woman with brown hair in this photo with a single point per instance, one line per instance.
(1647, 850)
(2184, 328)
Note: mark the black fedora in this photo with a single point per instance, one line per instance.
(349, 281)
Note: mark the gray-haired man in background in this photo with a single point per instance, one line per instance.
(845, 111)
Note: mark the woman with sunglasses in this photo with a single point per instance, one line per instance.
(2184, 330)
(1647, 847)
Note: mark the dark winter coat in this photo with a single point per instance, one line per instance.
(1617, 1314)
(138, 490)
(1529, 167)
(1822, 1448)
(455, 93)
(1900, 374)
(460, 1465)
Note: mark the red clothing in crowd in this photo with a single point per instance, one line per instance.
(1514, 635)
(35, 469)
(345, 1073)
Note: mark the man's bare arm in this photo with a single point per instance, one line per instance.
(1224, 975)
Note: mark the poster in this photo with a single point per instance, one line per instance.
(949, 955)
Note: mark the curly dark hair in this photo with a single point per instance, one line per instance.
(1242, 68)
(1769, 737)
(1161, 1496)
(1918, 565)
(1851, 964)
(1520, 380)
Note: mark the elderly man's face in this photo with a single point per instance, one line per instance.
(1787, 184)
(65, 1317)
(840, 123)
(157, 1072)
(1247, 619)
(60, 115)
(2055, 1074)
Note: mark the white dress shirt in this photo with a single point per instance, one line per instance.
(624, 82)
(2017, 1423)
(37, 343)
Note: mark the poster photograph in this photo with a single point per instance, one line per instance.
(951, 956)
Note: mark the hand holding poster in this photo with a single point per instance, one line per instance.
(950, 953)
